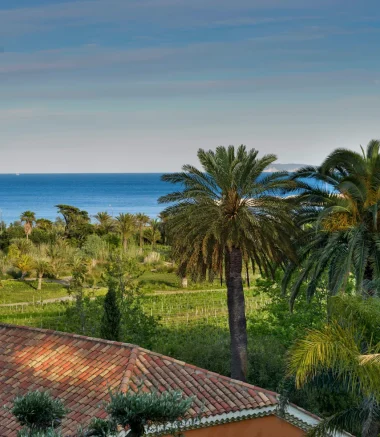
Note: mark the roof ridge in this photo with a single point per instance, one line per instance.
(132, 359)
(135, 351)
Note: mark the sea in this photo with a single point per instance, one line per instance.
(114, 193)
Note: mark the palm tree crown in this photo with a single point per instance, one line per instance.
(229, 212)
(28, 218)
(141, 221)
(126, 224)
(341, 219)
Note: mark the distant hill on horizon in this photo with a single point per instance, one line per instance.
(284, 167)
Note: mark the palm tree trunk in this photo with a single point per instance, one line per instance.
(125, 244)
(39, 286)
(141, 237)
(236, 313)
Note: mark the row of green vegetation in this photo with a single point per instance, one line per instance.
(40, 415)
(298, 253)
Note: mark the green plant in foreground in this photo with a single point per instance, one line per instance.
(343, 352)
(141, 411)
(37, 411)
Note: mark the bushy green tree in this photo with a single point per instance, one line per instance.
(141, 411)
(77, 222)
(122, 276)
(38, 413)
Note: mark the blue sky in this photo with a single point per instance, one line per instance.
(140, 85)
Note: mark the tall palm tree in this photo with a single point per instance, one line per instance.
(28, 218)
(141, 220)
(339, 350)
(339, 207)
(232, 211)
(126, 224)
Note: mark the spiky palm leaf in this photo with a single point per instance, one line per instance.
(339, 349)
(340, 219)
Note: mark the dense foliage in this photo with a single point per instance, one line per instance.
(37, 411)
(340, 219)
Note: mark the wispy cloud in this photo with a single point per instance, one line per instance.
(157, 13)
(203, 55)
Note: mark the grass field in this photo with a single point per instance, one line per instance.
(173, 309)
(13, 291)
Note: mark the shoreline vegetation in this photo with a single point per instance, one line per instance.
(270, 278)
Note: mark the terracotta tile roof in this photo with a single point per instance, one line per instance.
(80, 371)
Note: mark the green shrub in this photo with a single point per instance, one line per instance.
(38, 411)
(141, 410)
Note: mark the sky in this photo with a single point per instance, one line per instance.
(141, 85)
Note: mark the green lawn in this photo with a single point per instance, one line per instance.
(26, 291)
(16, 291)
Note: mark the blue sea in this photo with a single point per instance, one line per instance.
(115, 193)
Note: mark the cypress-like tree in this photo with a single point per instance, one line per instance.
(110, 328)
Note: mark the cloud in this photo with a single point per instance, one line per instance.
(161, 13)
(204, 54)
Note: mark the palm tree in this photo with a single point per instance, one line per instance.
(152, 234)
(142, 220)
(339, 207)
(105, 222)
(24, 263)
(28, 218)
(339, 350)
(42, 267)
(58, 254)
(233, 213)
(126, 224)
